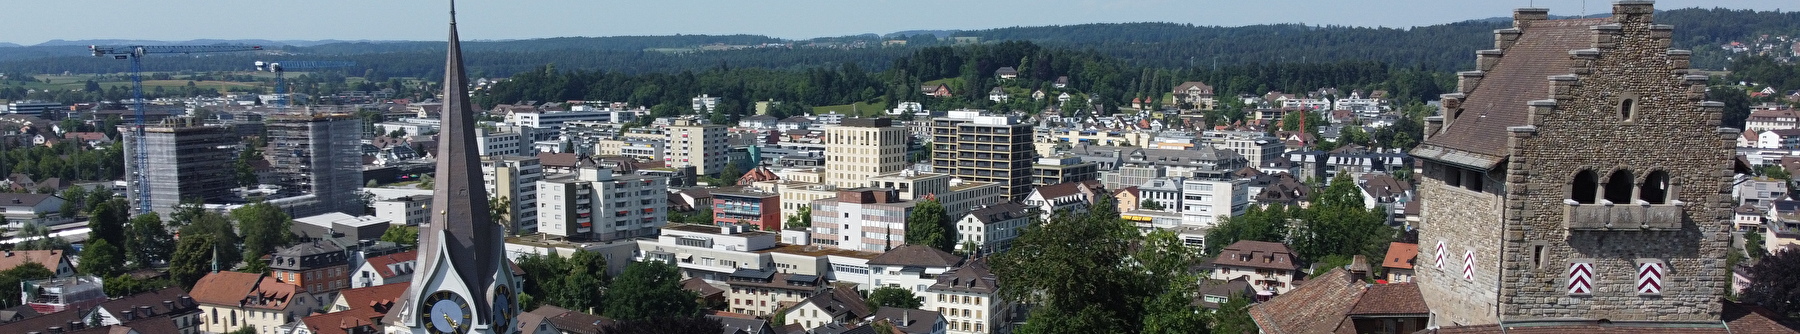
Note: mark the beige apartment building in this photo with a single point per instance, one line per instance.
(861, 148)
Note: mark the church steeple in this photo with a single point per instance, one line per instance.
(461, 251)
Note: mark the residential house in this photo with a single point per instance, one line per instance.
(834, 306)
(1061, 82)
(36, 209)
(1006, 72)
(998, 94)
(533, 323)
(741, 324)
(794, 123)
(1270, 267)
(911, 321)
(1128, 198)
(316, 266)
(767, 292)
(992, 229)
(1782, 231)
(1748, 218)
(385, 269)
(168, 310)
(911, 267)
(1760, 191)
(938, 90)
(1072, 196)
(969, 299)
(1195, 93)
(1399, 262)
(55, 260)
(1215, 292)
(759, 122)
(569, 322)
(233, 300)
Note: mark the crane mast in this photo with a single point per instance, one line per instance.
(135, 54)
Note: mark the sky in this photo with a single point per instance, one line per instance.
(29, 22)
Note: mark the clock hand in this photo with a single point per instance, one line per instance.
(451, 321)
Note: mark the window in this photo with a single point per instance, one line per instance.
(1626, 107)
(1618, 187)
(1585, 188)
(1655, 189)
(1452, 176)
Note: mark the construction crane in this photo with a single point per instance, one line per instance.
(280, 69)
(135, 54)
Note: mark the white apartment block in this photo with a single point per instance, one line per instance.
(992, 229)
(690, 143)
(555, 119)
(593, 204)
(515, 178)
(493, 143)
(1206, 202)
(407, 210)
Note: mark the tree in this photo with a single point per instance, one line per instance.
(125, 285)
(888, 296)
(244, 166)
(1233, 316)
(264, 227)
(1151, 205)
(101, 258)
(404, 235)
(574, 282)
(801, 218)
(1173, 310)
(71, 205)
(649, 289)
(1076, 268)
(149, 241)
(221, 238)
(1774, 287)
(27, 271)
(107, 221)
(1257, 224)
(500, 212)
(1754, 246)
(38, 238)
(195, 255)
(928, 226)
(1338, 224)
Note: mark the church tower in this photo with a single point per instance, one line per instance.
(464, 284)
(1577, 175)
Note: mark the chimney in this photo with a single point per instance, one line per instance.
(1359, 267)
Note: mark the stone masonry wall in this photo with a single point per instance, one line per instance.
(1463, 220)
(1669, 130)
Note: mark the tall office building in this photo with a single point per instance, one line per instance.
(594, 204)
(862, 148)
(514, 178)
(183, 163)
(692, 143)
(318, 155)
(974, 147)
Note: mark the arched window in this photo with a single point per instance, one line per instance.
(1618, 187)
(1655, 188)
(1625, 108)
(1586, 187)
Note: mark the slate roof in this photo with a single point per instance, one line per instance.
(1500, 100)
(23, 199)
(1001, 212)
(1400, 255)
(916, 255)
(1059, 190)
(571, 321)
(840, 301)
(973, 277)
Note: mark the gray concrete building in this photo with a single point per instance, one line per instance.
(183, 163)
(318, 155)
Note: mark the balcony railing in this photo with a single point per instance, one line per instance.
(1609, 216)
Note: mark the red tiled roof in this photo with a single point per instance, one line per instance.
(345, 322)
(1400, 255)
(382, 263)
(247, 289)
(49, 258)
(1521, 76)
(1391, 299)
(1737, 318)
(370, 297)
(1317, 307)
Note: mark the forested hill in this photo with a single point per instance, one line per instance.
(1445, 47)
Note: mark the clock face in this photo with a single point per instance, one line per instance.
(503, 306)
(446, 313)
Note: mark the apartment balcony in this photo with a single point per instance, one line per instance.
(1616, 217)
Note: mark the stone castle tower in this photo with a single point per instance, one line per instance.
(1576, 175)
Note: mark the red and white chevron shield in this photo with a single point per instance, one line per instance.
(1439, 255)
(1650, 278)
(1469, 265)
(1581, 278)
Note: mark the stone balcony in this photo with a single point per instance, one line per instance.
(1606, 216)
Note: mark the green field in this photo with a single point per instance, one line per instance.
(72, 82)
